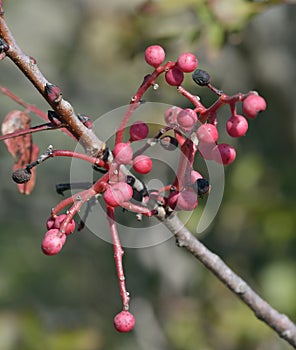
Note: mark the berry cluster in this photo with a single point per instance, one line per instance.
(193, 130)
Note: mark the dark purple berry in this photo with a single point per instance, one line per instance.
(201, 77)
(21, 176)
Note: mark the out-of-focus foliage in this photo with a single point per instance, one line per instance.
(93, 50)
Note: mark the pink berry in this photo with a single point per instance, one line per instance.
(195, 175)
(57, 222)
(170, 115)
(207, 133)
(125, 189)
(186, 119)
(124, 321)
(123, 153)
(206, 150)
(154, 55)
(237, 126)
(252, 105)
(117, 194)
(224, 154)
(138, 131)
(53, 242)
(142, 164)
(185, 200)
(113, 197)
(187, 62)
(174, 76)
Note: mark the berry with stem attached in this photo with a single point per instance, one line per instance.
(124, 321)
(138, 131)
(142, 164)
(207, 133)
(252, 105)
(186, 119)
(21, 176)
(154, 55)
(187, 62)
(237, 126)
(174, 76)
(201, 77)
(53, 242)
(195, 175)
(184, 200)
(117, 194)
(171, 114)
(123, 153)
(224, 154)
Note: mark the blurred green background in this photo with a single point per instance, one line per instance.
(94, 51)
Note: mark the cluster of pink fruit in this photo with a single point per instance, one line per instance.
(188, 120)
(192, 130)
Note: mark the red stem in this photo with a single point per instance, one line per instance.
(149, 80)
(70, 214)
(118, 253)
(183, 175)
(28, 106)
(223, 99)
(71, 154)
(32, 130)
(199, 107)
(82, 196)
(137, 209)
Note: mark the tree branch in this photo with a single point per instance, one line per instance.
(284, 327)
(280, 323)
(63, 108)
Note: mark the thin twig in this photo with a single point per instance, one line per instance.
(118, 253)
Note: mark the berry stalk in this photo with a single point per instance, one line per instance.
(118, 253)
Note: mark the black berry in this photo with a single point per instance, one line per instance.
(21, 176)
(201, 77)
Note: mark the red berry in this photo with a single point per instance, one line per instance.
(124, 321)
(53, 242)
(237, 126)
(252, 105)
(57, 222)
(207, 133)
(142, 164)
(186, 118)
(187, 62)
(138, 131)
(154, 55)
(224, 154)
(117, 194)
(170, 115)
(185, 200)
(174, 76)
(123, 153)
